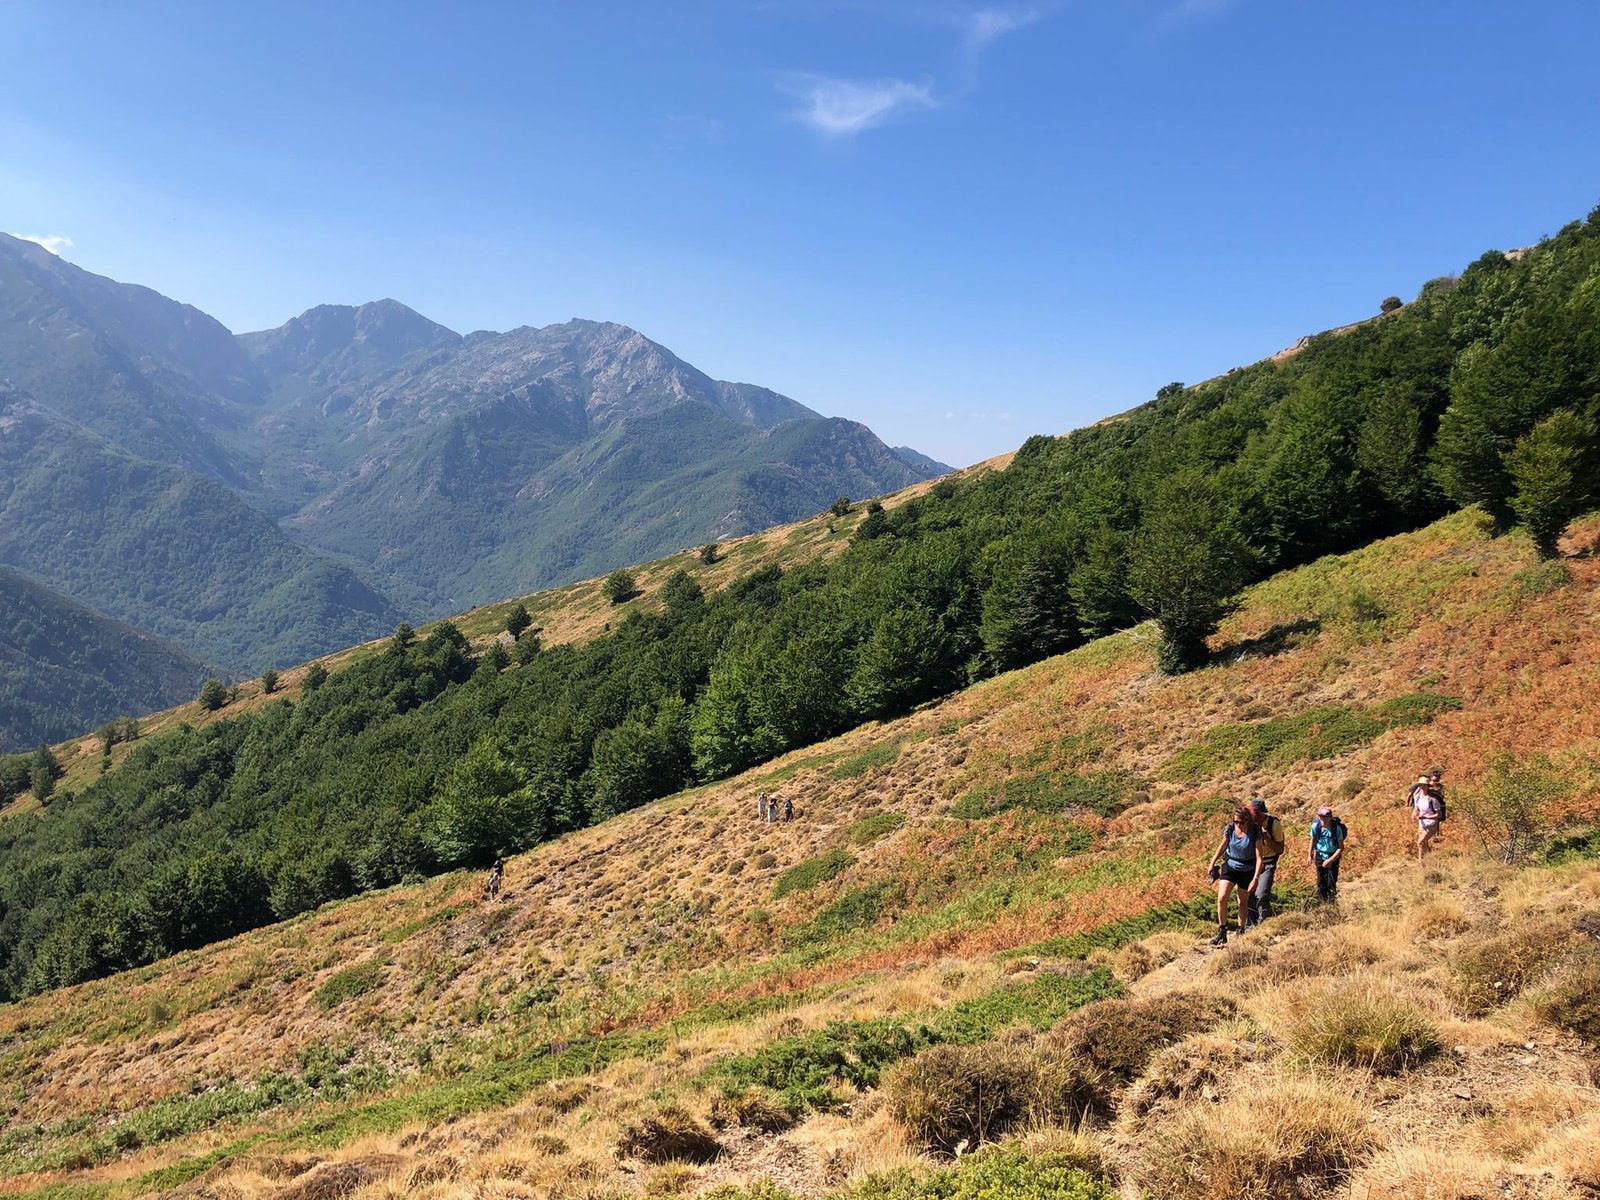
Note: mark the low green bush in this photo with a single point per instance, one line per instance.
(998, 1173)
(812, 873)
(1117, 1038)
(350, 983)
(880, 755)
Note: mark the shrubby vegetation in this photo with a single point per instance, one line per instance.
(420, 759)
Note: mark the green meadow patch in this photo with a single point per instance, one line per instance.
(880, 755)
(350, 983)
(806, 1069)
(869, 829)
(1317, 733)
(812, 873)
(1103, 792)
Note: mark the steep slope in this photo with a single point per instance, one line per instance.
(168, 550)
(65, 668)
(943, 878)
(157, 377)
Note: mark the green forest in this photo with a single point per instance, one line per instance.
(1484, 390)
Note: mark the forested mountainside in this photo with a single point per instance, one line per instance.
(430, 755)
(64, 667)
(167, 550)
(420, 471)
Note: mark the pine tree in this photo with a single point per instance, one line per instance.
(517, 620)
(1552, 473)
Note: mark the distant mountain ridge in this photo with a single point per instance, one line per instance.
(264, 497)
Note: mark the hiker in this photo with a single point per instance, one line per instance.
(1272, 843)
(1328, 836)
(491, 886)
(1427, 805)
(772, 809)
(788, 809)
(1235, 867)
(761, 807)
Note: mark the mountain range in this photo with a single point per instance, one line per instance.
(262, 498)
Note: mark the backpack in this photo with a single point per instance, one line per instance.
(1436, 797)
(1272, 840)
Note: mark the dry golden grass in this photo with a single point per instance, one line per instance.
(1287, 1139)
(642, 923)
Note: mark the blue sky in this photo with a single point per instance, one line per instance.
(962, 223)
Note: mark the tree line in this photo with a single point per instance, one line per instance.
(1482, 390)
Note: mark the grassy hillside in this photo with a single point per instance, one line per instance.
(680, 998)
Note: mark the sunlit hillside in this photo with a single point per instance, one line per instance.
(683, 998)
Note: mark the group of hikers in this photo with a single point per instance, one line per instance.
(1246, 862)
(769, 807)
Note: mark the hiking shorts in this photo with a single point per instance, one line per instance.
(1238, 876)
(1428, 825)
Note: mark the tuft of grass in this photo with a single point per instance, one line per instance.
(1285, 1140)
(1573, 1003)
(1495, 970)
(670, 1134)
(1363, 1026)
(951, 1099)
(757, 1108)
(813, 873)
(1103, 792)
(869, 829)
(350, 983)
(1317, 733)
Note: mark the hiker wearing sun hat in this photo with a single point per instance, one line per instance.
(1328, 836)
(1427, 805)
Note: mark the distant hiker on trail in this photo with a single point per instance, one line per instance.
(788, 809)
(1236, 867)
(1427, 805)
(1328, 836)
(761, 807)
(772, 809)
(491, 885)
(1272, 843)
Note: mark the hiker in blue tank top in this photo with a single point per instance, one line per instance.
(1236, 867)
(1328, 836)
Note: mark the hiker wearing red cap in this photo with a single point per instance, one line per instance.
(1328, 836)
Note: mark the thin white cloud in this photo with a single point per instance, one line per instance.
(53, 242)
(1186, 9)
(840, 108)
(986, 25)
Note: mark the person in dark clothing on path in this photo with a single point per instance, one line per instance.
(1328, 836)
(1236, 867)
(1272, 843)
(788, 809)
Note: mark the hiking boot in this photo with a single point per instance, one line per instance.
(1221, 939)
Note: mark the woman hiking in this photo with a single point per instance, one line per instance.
(1236, 868)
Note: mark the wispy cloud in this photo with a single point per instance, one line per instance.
(986, 25)
(53, 242)
(840, 108)
(1189, 9)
